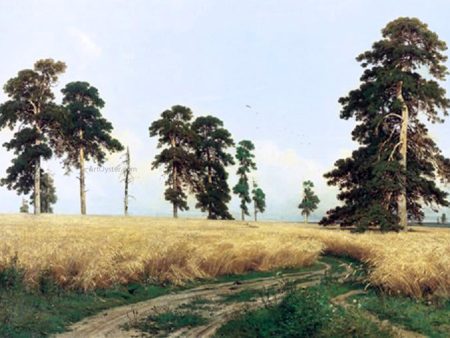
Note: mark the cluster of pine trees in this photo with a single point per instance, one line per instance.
(73, 130)
(195, 156)
(385, 183)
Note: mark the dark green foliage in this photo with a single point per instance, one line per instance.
(175, 137)
(311, 306)
(84, 133)
(310, 200)
(11, 277)
(259, 200)
(373, 178)
(211, 187)
(30, 105)
(244, 157)
(83, 126)
(20, 175)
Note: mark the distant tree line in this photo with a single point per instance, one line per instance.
(195, 156)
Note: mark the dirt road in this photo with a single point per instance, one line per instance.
(109, 323)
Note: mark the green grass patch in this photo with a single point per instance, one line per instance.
(429, 318)
(49, 309)
(300, 314)
(305, 313)
(163, 323)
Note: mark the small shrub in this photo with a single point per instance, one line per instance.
(11, 277)
(304, 312)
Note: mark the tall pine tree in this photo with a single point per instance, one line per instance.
(259, 200)
(244, 157)
(212, 190)
(86, 134)
(310, 201)
(175, 137)
(31, 106)
(388, 179)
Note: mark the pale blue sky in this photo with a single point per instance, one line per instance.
(289, 60)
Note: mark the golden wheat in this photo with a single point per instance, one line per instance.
(416, 263)
(93, 252)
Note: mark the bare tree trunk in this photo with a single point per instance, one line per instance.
(256, 214)
(306, 218)
(401, 202)
(82, 179)
(37, 185)
(127, 179)
(242, 215)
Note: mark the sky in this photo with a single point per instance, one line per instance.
(290, 61)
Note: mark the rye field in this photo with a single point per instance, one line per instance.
(86, 253)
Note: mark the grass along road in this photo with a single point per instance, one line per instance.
(123, 321)
(220, 309)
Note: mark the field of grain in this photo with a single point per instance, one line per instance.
(92, 252)
(416, 263)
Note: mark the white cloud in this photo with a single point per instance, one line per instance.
(88, 45)
(281, 172)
